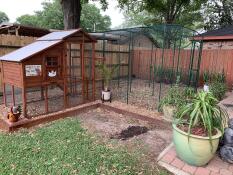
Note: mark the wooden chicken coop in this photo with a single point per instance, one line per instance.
(55, 71)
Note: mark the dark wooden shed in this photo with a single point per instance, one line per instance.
(57, 59)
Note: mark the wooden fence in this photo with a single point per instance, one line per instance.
(214, 61)
(9, 43)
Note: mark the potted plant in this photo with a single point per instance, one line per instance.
(198, 128)
(107, 74)
(14, 113)
(206, 78)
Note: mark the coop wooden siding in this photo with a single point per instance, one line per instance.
(12, 73)
(34, 80)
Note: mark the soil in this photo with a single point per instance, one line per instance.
(199, 131)
(141, 94)
(150, 138)
(131, 131)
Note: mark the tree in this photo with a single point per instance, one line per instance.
(28, 20)
(3, 17)
(185, 12)
(72, 12)
(92, 20)
(142, 18)
(52, 17)
(218, 14)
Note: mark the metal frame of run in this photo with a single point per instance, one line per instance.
(155, 54)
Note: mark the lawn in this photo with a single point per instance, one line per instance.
(64, 147)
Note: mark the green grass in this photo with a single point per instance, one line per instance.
(63, 147)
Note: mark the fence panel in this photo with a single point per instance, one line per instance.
(215, 61)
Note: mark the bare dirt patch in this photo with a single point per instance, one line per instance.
(150, 138)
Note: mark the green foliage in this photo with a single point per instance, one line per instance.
(3, 17)
(177, 96)
(28, 20)
(219, 77)
(63, 147)
(218, 89)
(218, 14)
(51, 17)
(218, 85)
(107, 73)
(206, 77)
(92, 20)
(184, 12)
(203, 111)
(142, 18)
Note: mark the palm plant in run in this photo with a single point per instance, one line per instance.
(203, 112)
(107, 74)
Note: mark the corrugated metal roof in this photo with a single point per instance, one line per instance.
(29, 50)
(57, 35)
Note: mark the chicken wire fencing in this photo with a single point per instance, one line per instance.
(149, 60)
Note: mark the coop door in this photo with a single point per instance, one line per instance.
(52, 68)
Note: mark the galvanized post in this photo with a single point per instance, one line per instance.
(199, 64)
(129, 69)
(151, 57)
(160, 85)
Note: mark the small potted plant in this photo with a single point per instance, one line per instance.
(14, 113)
(206, 79)
(198, 128)
(107, 74)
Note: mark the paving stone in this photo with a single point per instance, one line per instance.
(168, 158)
(213, 173)
(189, 169)
(225, 172)
(219, 163)
(214, 166)
(230, 168)
(202, 171)
(178, 163)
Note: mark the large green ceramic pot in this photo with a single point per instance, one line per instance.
(197, 150)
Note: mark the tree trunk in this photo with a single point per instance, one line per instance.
(72, 12)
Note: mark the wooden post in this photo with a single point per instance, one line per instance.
(42, 93)
(46, 100)
(93, 71)
(4, 93)
(24, 97)
(13, 94)
(83, 69)
(65, 77)
(75, 85)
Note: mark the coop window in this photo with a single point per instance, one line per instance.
(52, 61)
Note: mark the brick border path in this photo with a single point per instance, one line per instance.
(169, 160)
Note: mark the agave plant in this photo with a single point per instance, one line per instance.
(203, 111)
(107, 73)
